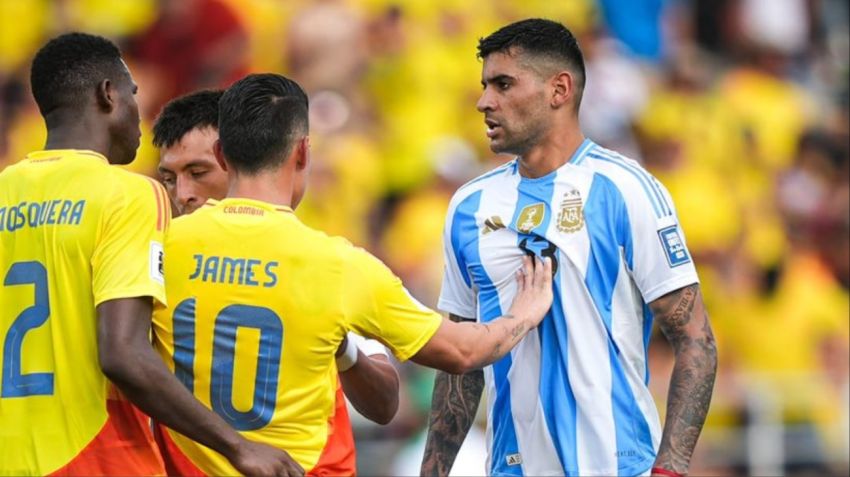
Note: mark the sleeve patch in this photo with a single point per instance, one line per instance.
(156, 263)
(672, 243)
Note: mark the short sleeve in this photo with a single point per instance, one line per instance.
(457, 295)
(377, 305)
(658, 256)
(128, 257)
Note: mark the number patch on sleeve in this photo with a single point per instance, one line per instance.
(677, 254)
(156, 262)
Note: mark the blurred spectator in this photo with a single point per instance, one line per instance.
(192, 44)
(637, 24)
(739, 106)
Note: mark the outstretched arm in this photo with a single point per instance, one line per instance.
(462, 347)
(371, 383)
(683, 319)
(453, 407)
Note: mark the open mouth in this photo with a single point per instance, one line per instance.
(492, 127)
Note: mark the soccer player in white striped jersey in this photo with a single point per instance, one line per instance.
(572, 398)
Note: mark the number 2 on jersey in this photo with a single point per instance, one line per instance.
(16, 384)
(227, 323)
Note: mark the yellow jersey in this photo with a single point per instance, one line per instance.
(74, 232)
(258, 304)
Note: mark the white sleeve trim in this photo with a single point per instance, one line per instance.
(670, 285)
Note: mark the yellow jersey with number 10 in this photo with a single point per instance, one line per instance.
(258, 304)
(74, 232)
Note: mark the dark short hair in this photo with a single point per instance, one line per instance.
(539, 39)
(69, 66)
(196, 110)
(261, 117)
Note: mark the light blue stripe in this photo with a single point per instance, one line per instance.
(579, 154)
(657, 186)
(646, 188)
(465, 231)
(605, 213)
(489, 308)
(648, 318)
(556, 396)
(643, 173)
(653, 182)
(556, 393)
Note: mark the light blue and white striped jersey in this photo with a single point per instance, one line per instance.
(572, 397)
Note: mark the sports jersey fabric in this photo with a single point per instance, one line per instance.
(74, 232)
(258, 305)
(572, 397)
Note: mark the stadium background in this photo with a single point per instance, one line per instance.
(739, 106)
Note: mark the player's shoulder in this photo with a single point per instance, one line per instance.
(356, 258)
(491, 178)
(620, 169)
(132, 186)
(628, 176)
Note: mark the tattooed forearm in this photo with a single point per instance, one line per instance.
(453, 407)
(513, 333)
(684, 321)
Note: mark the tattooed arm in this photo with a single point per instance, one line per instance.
(462, 347)
(682, 318)
(453, 407)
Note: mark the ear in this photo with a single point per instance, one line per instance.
(302, 158)
(219, 155)
(105, 95)
(562, 89)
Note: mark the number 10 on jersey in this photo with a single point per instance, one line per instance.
(227, 323)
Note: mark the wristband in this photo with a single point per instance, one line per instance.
(348, 358)
(669, 473)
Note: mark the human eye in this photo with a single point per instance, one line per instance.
(197, 174)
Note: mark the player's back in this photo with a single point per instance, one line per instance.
(61, 254)
(257, 309)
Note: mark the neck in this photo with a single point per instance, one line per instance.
(66, 131)
(551, 153)
(274, 187)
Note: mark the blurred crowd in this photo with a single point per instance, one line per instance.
(740, 107)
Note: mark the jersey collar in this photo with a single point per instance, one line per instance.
(54, 154)
(250, 202)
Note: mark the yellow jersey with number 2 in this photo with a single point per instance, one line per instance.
(74, 232)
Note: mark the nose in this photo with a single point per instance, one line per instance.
(184, 194)
(486, 102)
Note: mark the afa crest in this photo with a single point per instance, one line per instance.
(530, 217)
(571, 216)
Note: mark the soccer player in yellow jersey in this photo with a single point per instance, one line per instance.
(81, 265)
(259, 302)
(185, 132)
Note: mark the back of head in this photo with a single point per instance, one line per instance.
(261, 118)
(198, 110)
(66, 71)
(542, 45)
